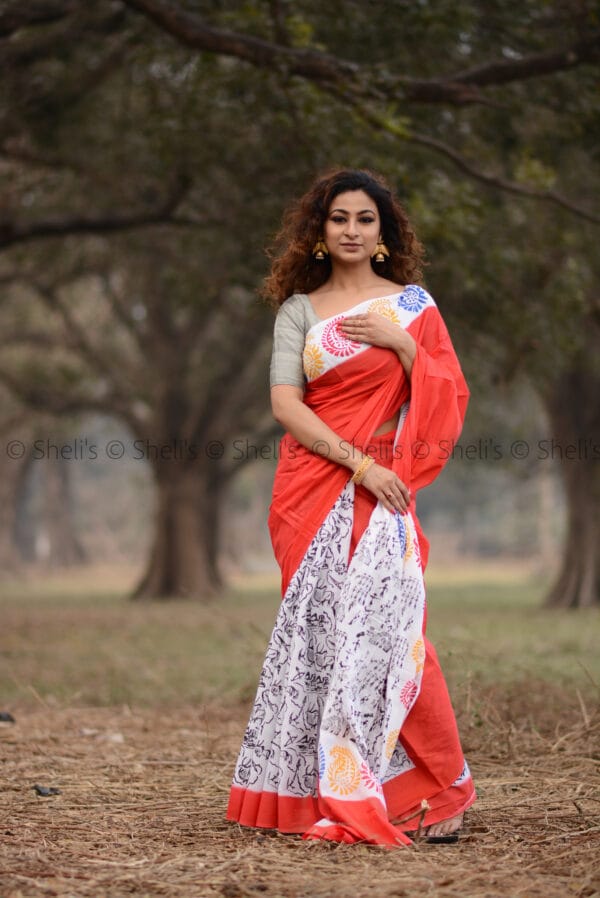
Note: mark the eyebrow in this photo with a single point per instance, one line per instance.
(345, 211)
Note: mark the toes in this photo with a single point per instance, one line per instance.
(445, 827)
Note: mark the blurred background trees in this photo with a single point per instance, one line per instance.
(147, 149)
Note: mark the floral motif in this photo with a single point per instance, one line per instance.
(409, 547)
(312, 359)
(417, 552)
(309, 689)
(408, 693)
(401, 533)
(335, 342)
(390, 743)
(384, 307)
(343, 773)
(418, 655)
(321, 762)
(369, 778)
(413, 298)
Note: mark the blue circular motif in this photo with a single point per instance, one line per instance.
(321, 762)
(401, 533)
(413, 299)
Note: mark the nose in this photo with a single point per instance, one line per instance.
(351, 229)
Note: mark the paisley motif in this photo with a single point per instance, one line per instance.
(418, 655)
(408, 693)
(321, 762)
(390, 743)
(335, 342)
(343, 772)
(409, 548)
(369, 778)
(401, 533)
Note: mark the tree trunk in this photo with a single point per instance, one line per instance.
(183, 562)
(12, 471)
(65, 547)
(575, 443)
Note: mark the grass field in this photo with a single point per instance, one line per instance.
(136, 712)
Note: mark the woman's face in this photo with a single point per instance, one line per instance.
(352, 227)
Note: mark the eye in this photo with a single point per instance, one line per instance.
(338, 219)
(367, 220)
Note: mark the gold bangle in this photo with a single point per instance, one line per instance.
(359, 474)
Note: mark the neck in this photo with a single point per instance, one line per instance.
(351, 278)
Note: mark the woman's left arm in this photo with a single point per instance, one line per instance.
(375, 329)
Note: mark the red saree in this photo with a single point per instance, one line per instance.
(352, 727)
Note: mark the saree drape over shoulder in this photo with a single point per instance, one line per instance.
(352, 727)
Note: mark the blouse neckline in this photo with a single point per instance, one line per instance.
(355, 306)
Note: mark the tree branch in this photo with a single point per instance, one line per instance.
(193, 32)
(59, 39)
(20, 336)
(12, 233)
(354, 85)
(18, 14)
(44, 400)
(501, 183)
(78, 335)
(495, 181)
(323, 68)
(267, 430)
(534, 65)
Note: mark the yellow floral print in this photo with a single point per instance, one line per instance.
(312, 359)
(410, 543)
(385, 308)
(418, 654)
(390, 743)
(343, 773)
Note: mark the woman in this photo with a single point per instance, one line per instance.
(352, 736)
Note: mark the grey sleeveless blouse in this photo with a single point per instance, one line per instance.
(293, 321)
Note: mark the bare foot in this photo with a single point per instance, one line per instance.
(445, 827)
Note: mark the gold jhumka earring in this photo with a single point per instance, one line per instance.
(320, 250)
(380, 251)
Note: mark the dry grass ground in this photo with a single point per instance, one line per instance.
(144, 763)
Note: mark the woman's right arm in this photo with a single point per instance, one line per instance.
(307, 428)
(304, 425)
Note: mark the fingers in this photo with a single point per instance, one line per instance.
(393, 494)
(396, 497)
(355, 327)
(356, 324)
(371, 328)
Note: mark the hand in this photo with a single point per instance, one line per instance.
(377, 330)
(373, 328)
(387, 487)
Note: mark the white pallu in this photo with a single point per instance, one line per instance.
(343, 665)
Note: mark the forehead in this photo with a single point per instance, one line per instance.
(353, 201)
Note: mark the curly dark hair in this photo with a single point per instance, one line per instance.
(294, 268)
